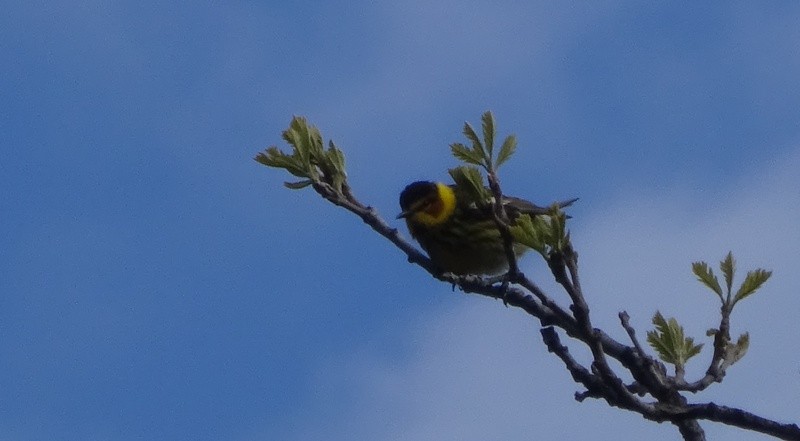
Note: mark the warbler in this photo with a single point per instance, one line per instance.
(458, 235)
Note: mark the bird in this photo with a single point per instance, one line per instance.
(460, 236)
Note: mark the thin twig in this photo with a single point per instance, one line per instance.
(624, 319)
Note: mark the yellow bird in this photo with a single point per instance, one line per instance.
(459, 236)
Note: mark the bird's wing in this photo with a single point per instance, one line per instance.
(514, 206)
(522, 206)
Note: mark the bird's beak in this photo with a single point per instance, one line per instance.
(404, 214)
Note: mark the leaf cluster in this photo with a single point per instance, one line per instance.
(308, 159)
(752, 281)
(481, 149)
(469, 180)
(545, 234)
(480, 153)
(668, 338)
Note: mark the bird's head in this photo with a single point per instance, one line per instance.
(427, 203)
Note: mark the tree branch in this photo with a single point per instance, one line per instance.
(603, 383)
(324, 171)
(743, 419)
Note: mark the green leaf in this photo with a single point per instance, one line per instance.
(487, 121)
(309, 159)
(531, 232)
(658, 338)
(477, 146)
(272, 157)
(507, 149)
(314, 139)
(265, 157)
(738, 350)
(336, 158)
(706, 276)
(728, 268)
(291, 135)
(298, 185)
(462, 153)
(752, 282)
(558, 226)
(295, 139)
(335, 175)
(469, 180)
(543, 233)
(692, 349)
(306, 140)
(534, 232)
(669, 341)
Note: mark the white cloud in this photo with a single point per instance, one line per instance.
(478, 371)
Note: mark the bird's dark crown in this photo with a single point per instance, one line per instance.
(416, 191)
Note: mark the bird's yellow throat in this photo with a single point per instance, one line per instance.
(439, 211)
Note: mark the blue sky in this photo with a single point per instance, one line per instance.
(156, 283)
